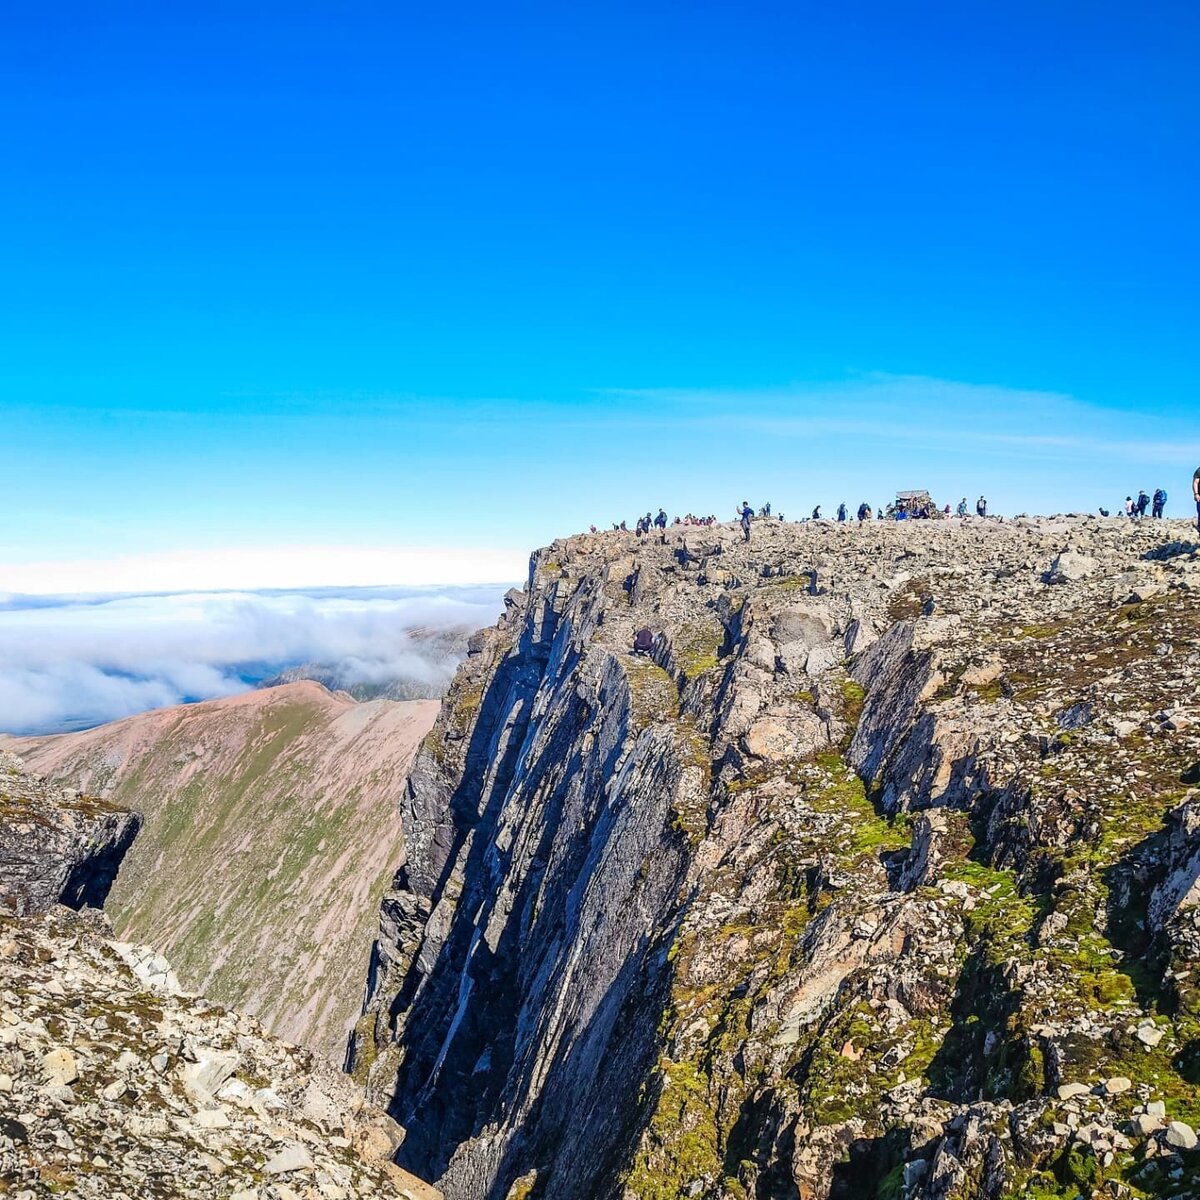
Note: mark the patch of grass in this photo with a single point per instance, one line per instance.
(652, 694)
(696, 648)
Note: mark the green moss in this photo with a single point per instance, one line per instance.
(695, 648)
(680, 1148)
(652, 694)
(986, 693)
(837, 790)
(1040, 632)
(852, 702)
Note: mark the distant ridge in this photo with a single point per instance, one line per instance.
(441, 651)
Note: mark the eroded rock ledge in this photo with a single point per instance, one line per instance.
(56, 845)
(879, 879)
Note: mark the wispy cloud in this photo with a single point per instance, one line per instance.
(929, 413)
(74, 661)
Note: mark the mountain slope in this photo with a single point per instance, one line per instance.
(878, 878)
(269, 834)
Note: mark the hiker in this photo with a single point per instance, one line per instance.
(864, 512)
(1104, 511)
(767, 509)
(1196, 496)
(660, 521)
(817, 513)
(1143, 503)
(981, 506)
(747, 513)
(1160, 502)
(962, 507)
(1129, 507)
(643, 642)
(842, 511)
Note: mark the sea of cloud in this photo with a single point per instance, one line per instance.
(68, 662)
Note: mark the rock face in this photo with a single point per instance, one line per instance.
(270, 834)
(877, 879)
(112, 1090)
(56, 846)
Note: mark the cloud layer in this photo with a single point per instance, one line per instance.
(69, 662)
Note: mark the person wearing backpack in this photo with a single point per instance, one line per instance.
(1143, 502)
(1196, 496)
(1160, 502)
(747, 513)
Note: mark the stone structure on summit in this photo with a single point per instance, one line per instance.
(878, 877)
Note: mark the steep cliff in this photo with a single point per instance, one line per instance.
(877, 879)
(56, 846)
(269, 836)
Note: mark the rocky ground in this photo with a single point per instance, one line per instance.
(269, 835)
(878, 878)
(115, 1086)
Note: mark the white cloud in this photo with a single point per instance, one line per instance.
(74, 661)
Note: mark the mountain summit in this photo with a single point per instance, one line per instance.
(875, 877)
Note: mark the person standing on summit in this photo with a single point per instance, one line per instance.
(1196, 496)
(747, 513)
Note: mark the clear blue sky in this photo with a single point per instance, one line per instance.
(480, 274)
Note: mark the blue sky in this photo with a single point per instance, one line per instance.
(282, 278)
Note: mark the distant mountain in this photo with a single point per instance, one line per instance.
(440, 651)
(270, 833)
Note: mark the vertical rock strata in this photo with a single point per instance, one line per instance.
(879, 878)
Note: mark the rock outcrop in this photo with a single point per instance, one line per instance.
(270, 834)
(56, 845)
(878, 878)
(113, 1089)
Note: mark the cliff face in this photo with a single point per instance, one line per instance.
(269, 836)
(878, 878)
(56, 846)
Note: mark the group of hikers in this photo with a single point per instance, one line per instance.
(643, 525)
(908, 506)
(1135, 510)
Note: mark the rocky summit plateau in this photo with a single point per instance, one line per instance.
(878, 877)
